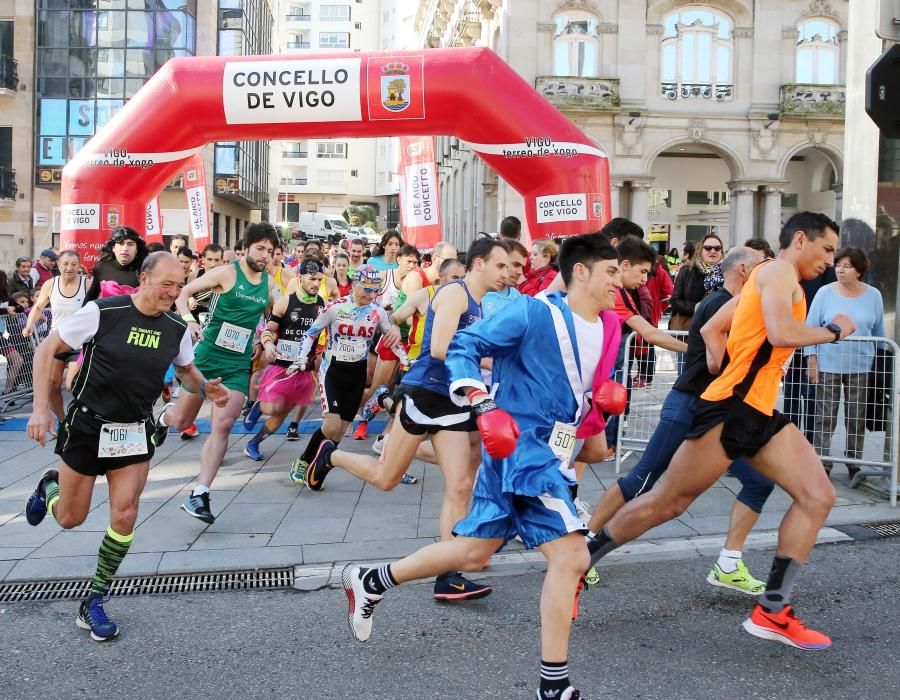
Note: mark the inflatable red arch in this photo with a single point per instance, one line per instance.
(469, 93)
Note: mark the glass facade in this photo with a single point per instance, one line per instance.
(92, 56)
(242, 167)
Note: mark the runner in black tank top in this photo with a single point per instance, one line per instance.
(280, 392)
(129, 342)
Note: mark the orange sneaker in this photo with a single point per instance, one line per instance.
(362, 430)
(581, 586)
(784, 627)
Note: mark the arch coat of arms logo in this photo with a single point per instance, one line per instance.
(395, 86)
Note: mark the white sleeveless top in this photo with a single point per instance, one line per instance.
(389, 292)
(62, 306)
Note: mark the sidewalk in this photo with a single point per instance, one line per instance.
(265, 521)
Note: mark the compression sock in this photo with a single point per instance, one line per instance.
(601, 545)
(263, 433)
(780, 584)
(379, 579)
(554, 679)
(112, 551)
(728, 560)
(51, 495)
(313, 445)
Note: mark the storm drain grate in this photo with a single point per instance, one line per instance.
(142, 585)
(884, 529)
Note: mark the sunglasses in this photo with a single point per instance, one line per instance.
(371, 290)
(711, 248)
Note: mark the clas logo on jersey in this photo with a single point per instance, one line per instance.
(143, 338)
(350, 330)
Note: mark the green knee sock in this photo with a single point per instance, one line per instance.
(51, 495)
(112, 551)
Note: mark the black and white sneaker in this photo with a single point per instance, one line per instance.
(160, 431)
(568, 694)
(292, 432)
(361, 603)
(198, 506)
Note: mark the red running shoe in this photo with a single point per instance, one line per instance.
(362, 430)
(190, 433)
(784, 627)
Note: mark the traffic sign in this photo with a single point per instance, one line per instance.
(883, 92)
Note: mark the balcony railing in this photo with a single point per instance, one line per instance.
(9, 73)
(812, 100)
(706, 91)
(298, 44)
(294, 154)
(8, 187)
(294, 181)
(594, 93)
(295, 17)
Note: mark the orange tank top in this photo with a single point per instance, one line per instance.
(755, 367)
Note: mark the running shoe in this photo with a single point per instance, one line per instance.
(610, 454)
(376, 402)
(36, 506)
(92, 616)
(362, 430)
(568, 694)
(292, 432)
(378, 445)
(160, 431)
(592, 577)
(639, 383)
(583, 509)
(253, 452)
(319, 467)
(455, 586)
(784, 627)
(297, 472)
(191, 432)
(408, 478)
(252, 417)
(245, 409)
(198, 506)
(738, 580)
(582, 584)
(361, 603)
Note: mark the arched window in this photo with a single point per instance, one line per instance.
(576, 45)
(696, 54)
(818, 52)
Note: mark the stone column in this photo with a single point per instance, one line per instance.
(740, 226)
(838, 201)
(771, 223)
(615, 204)
(640, 199)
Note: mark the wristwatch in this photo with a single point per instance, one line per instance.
(836, 329)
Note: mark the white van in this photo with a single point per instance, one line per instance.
(315, 225)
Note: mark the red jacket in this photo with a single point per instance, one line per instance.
(660, 287)
(538, 280)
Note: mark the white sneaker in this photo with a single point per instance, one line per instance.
(361, 602)
(583, 509)
(378, 445)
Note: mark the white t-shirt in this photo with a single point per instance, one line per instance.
(589, 336)
(81, 327)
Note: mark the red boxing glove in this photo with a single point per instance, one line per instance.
(499, 430)
(611, 398)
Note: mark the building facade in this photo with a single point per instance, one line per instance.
(721, 116)
(69, 66)
(327, 175)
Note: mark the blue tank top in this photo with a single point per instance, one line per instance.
(426, 372)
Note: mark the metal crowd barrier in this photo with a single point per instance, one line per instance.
(16, 359)
(851, 419)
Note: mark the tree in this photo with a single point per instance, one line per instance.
(395, 89)
(361, 216)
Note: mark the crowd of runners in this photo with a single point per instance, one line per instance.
(502, 366)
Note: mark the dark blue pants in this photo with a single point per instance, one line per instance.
(674, 422)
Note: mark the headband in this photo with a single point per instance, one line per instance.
(366, 273)
(310, 267)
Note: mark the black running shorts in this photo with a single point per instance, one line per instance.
(342, 388)
(78, 441)
(745, 431)
(423, 411)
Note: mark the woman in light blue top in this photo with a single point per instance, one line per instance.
(385, 257)
(845, 364)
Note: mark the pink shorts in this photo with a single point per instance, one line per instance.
(276, 386)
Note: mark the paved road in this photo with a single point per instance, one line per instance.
(651, 630)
